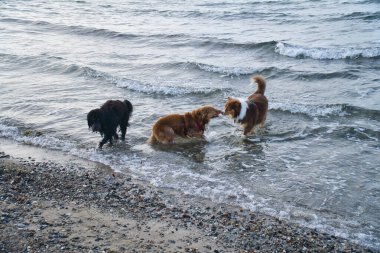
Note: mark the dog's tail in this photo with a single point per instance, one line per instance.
(261, 84)
(129, 106)
(129, 109)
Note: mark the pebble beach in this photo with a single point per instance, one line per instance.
(47, 206)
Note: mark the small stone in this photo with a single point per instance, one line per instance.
(21, 225)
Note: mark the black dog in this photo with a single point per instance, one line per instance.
(105, 120)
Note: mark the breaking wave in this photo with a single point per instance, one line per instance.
(233, 71)
(43, 141)
(45, 64)
(326, 53)
(324, 110)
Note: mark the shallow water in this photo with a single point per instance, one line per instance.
(316, 162)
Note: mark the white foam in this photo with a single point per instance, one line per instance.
(44, 141)
(158, 88)
(146, 87)
(326, 53)
(8, 131)
(68, 147)
(236, 71)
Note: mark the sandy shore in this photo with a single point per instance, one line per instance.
(71, 206)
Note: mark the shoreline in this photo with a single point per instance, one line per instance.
(53, 204)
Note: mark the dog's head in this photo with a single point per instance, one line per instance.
(205, 114)
(94, 120)
(232, 107)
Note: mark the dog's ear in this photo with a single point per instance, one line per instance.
(234, 106)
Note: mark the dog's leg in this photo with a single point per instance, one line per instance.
(262, 123)
(249, 130)
(167, 135)
(107, 137)
(123, 129)
(110, 143)
(115, 136)
(102, 142)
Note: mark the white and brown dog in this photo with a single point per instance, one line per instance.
(251, 111)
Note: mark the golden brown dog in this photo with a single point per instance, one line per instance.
(191, 124)
(252, 111)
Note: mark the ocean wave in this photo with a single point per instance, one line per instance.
(87, 31)
(325, 110)
(239, 15)
(320, 76)
(61, 143)
(333, 131)
(228, 13)
(309, 110)
(110, 34)
(368, 16)
(249, 46)
(354, 133)
(216, 43)
(58, 144)
(140, 86)
(164, 89)
(361, 112)
(184, 39)
(45, 141)
(326, 53)
(77, 29)
(146, 87)
(48, 64)
(92, 31)
(227, 71)
(232, 71)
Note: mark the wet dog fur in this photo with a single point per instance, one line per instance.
(189, 125)
(108, 117)
(251, 111)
